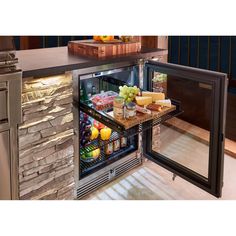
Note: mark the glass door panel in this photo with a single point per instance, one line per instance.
(190, 145)
(176, 137)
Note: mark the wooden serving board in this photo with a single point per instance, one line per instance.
(97, 49)
(141, 118)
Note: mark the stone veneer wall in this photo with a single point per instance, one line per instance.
(46, 139)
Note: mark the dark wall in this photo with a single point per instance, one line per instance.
(217, 53)
(197, 108)
(45, 41)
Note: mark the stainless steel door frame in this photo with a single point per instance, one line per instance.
(14, 153)
(5, 166)
(10, 148)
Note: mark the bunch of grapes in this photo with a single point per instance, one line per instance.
(160, 78)
(128, 93)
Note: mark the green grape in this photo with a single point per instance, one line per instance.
(131, 95)
(128, 93)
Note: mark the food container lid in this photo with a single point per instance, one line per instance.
(131, 105)
(119, 99)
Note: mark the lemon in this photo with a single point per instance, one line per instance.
(96, 153)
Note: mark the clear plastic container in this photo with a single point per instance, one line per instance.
(103, 100)
(130, 110)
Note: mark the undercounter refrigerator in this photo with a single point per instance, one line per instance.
(132, 111)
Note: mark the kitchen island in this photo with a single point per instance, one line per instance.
(46, 149)
(54, 61)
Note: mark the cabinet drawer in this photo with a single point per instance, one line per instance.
(3, 105)
(3, 85)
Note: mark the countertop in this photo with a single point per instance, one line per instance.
(51, 61)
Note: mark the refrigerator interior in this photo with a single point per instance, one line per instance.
(108, 152)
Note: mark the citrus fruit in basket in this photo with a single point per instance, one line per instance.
(103, 38)
(96, 153)
(96, 38)
(88, 155)
(106, 38)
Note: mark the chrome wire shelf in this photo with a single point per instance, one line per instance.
(104, 160)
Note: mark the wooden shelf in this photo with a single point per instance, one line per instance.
(134, 126)
(141, 118)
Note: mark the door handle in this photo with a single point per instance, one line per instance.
(205, 86)
(174, 176)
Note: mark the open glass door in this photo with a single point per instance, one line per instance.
(190, 145)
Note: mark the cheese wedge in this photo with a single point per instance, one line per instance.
(165, 103)
(155, 96)
(142, 101)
